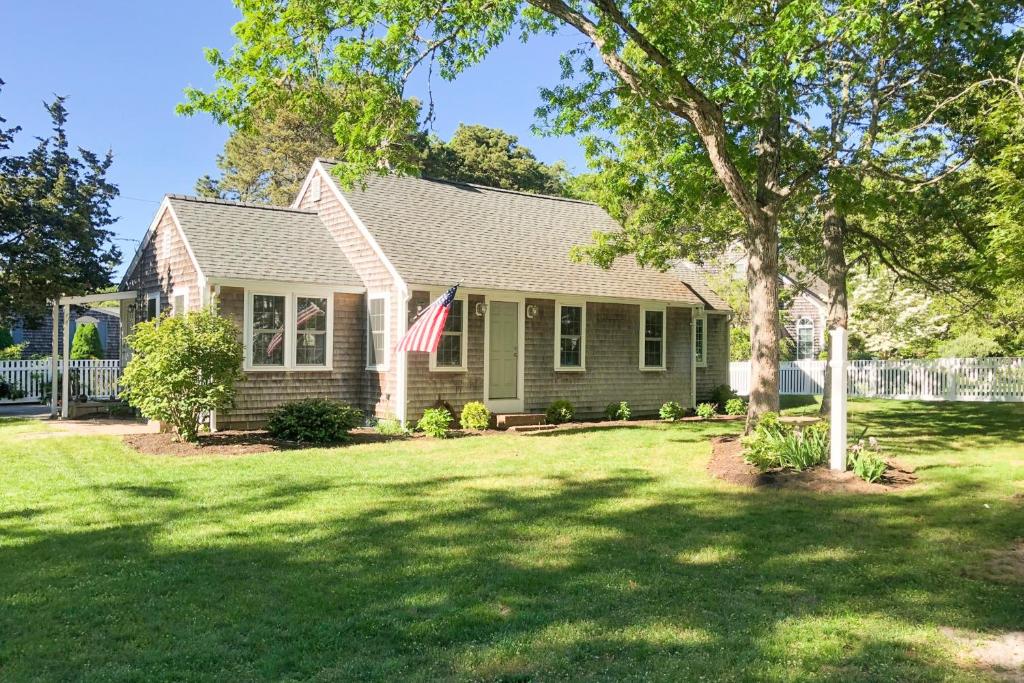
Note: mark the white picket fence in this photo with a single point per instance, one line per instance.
(943, 379)
(30, 379)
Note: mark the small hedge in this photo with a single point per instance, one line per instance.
(314, 420)
(389, 426)
(475, 416)
(435, 422)
(618, 411)
(721, 395)
(671, 411)
(735, 406)
(706, 411)
(559, 412)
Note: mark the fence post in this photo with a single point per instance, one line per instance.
(837, 435)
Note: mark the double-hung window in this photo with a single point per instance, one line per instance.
(570, 336)
(700, 340)
(288, 330)
(652, 338)
(376, 333)
(451, 347)
(804, 339)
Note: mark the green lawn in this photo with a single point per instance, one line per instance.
(598, 554)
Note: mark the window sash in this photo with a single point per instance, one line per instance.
(277, 339)
(269, 324)
(376, 341)
(700, 341)
(652, 352)
(804, 340)
(570, 341)
(449, 353)
(310, 335)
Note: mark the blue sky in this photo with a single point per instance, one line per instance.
(123, 66)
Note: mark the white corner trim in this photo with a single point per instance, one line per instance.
(386, 297)
(582, 305)
(664, 337)
(693, 355)
(462, 366)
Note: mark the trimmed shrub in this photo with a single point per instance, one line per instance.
(183, 368)
(706, 411)
(87, 343)
(721, 395)
(735, 406)
(12, 352)
(777, 445)
(390, 427)
(475, 416)
(435, 422)
(671, 411)
(314, 420)
(618, 411)
(560, 411)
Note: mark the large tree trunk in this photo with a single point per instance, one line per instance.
(833, 237)
(763, 292)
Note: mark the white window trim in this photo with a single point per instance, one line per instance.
(702, 360)
(150, 296)
(385, 365)
(644, 310)
(434, 367)
(290, 296)
(182, 292)
(582, 305)
(802, 324)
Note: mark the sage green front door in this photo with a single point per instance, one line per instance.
(504, 352)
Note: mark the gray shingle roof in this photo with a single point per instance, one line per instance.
(694, 277)
(260, 242)
(437, 232)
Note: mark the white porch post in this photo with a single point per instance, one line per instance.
(837, 435)
(66, 389)
(54, 350)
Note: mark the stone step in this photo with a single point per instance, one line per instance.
(506, 420)
(526, 429)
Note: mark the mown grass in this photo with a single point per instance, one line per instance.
(601, 555)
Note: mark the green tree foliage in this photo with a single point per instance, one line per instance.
(54, 213)
(6, 338)
(490, 156)
(183, 367)
(87, 343)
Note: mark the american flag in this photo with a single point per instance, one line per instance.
(305, 315)
(426, 330)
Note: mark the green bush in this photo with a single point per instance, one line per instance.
(706, 411)
(475, 416)
(435, 422)
(6, 338)
(313, 420)
(12, 352)
(87, 343)
(671, 411)
(183, 368)
(777, 445)
(721, 395)
(736, 406)
(618, 411)
(739, 344)
(866, 460)
(560, 411)
(390, 427)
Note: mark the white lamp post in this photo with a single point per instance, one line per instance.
(837, 434)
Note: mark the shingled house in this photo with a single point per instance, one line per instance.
(344, 272)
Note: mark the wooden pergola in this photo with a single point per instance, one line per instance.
(67, 302)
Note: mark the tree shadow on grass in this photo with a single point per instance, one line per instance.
(939, 426)
(452, 577)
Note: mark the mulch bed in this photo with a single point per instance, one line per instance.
(727, 464)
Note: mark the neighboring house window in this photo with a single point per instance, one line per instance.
(804, 339)
(652, 339)
(570, 336)
(310, 330)
(376, 333)
(269, 317)
(700, 342)
(451, 348)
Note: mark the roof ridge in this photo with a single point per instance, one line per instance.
(448, 181)
(229, 202)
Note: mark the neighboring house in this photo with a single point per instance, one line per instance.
(805, 312)
(344, 272)
(39, 339)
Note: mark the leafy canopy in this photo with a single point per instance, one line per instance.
(183, 367)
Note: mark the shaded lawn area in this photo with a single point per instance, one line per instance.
(600, 554)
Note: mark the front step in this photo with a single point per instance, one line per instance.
(526, 429)
(506, 420)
